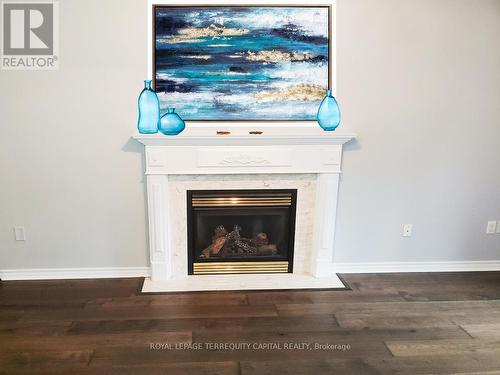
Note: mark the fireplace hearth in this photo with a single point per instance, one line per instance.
(241, 231)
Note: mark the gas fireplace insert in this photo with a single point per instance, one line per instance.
(240, 231)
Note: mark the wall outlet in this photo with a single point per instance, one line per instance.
(407, 229)
(19, 233)
(491, 227)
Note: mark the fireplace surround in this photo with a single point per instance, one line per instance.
(306, 159)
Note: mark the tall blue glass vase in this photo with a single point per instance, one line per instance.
(329, 113)
(171, 123)
(149, 110)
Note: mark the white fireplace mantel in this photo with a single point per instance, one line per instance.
(200, 151)
(238, 137)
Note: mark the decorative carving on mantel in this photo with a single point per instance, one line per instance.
(244, 159)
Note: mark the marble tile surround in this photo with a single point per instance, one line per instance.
(306, 196)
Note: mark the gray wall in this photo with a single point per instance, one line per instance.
(69, 173)
(419, 81)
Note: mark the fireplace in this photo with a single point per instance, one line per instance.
(303, 158)
(240, 231)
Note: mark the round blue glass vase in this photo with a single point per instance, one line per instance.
(329, 113)
(149, 110)
(171, 123)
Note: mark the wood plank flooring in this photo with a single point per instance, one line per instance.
(415, 323)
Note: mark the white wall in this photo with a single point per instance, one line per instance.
(419, 81)
(69, 173)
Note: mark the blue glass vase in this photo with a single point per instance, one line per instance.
(149, 110)
(171, 123)
(329, 113)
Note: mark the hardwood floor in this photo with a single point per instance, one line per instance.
(417, 323)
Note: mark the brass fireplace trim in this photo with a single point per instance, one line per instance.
(241, 201)
(208, 268)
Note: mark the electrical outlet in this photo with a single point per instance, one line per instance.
(491, 227)
(19, 234)
(407, 229)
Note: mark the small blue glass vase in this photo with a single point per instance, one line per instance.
(329, 113)
(149, 110)
(171, 123)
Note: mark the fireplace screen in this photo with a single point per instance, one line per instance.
(243, 231)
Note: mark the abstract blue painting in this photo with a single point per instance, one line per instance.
(236, 63)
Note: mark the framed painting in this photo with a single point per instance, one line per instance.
(242, 63)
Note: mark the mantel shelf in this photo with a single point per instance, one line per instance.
(241, 136)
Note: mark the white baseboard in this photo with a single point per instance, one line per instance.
(387, 267)
(370, 267)
(74, 273)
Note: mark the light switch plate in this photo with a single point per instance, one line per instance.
(491, 228)
(19, 234)
(498, 226)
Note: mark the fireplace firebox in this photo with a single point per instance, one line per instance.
(240, 231)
